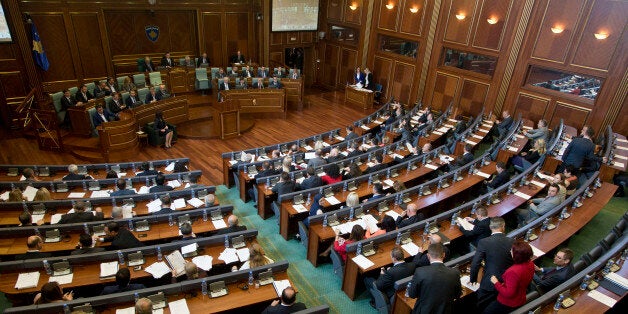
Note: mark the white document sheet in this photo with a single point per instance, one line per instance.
(27, 280)
(179, 307)
(363, 262)
(411, 248)
(219, 224)
(203, 262)
(158, 269)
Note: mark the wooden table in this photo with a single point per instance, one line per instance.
(258, 101)
(620, 160)
(362, 98)
(516, 147)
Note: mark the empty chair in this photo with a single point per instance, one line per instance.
(608, 241)
(303, 233)
(56, 101)
(139, 80)
(125, 96)
(579, 265)
(107, 102)
(619, 228)
(592, 255)
(90, 87)
(182, 61)
(378, 92)
(73, 91)
(120, 80)
(141, 93)
(381, 304)
(214, 72)
(201, 83)
(154, 78)
(337, 263)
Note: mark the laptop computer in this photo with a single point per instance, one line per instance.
(98, 230)
(238, 242)
(39, 209)
(368, 249)
(61, 268)
(142, 225)
(216, 214)
(298, 199)
(328, 192)
(352, 186)
(62, 187)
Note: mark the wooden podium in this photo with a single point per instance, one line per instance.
(227, 119)
(363, 98)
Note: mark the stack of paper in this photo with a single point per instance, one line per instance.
(363, 262)
(29, 193)
(178, 203)
(229, 255)
(203, 262)
(280, 285)
(618, 280)
(98, 194)
(430, 166)
(190, 248)
(196, 202)
(158, 269)
(537, 183)
(77, 195)
(108, 269)
(464, 280)
(243, 254)
(470, 142)
(27, 280)
(128, 310)
(143, 190)
(219, 224)
(299, 208)
(174, 183)
(332, 200)
(179, 307)
(482, 174)
(465, 224)
(602, 298)
(478, 136)
(411, 248)
(54, 219)
(523, 195)
(5, 196)
(536, 252)
(170, 167)
(392, 214)
(63, 279)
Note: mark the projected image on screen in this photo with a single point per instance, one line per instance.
(5, 34)
(295, 15)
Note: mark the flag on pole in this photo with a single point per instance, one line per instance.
(38, 50)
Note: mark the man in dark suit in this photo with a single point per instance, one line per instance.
(122, 189)
(579, 150)
(166, 61)
(409, 216)
(421, 259)
(284, 186)
(102, 115)
(504, 125)
(368, 79)
(85, 246)
(116, 105)
(133, 101)
(80, 215)
(500, 178)
(480, 229)
(234, 226)
(73, 174)
(186, 232)
(120, 238)
(274, 83)
(549, 278)
(66, 100)
(148, 65)
(83, 96)
(112, 85)
(161, 186)
(350, 134)
(152, 96)
(203, 59)
(387, 277)
(123, 283)
(311, 179)
(262, 72)
(247, 72)
(466, 158)
(495, 252)
(238, 58)
(34, 244)
(287, 304)
(224, 85)
(435, 286)
(378, 164)
(146, 171)
(281, 72)
(317, 161)
(166, 205)
(101, 89)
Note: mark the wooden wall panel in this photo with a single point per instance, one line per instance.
(52, 31)
(276, 38)
(558, 13)
(183, 29)
(307, 37)
(573, 115)
(382, 68)
(292, 37)
(237, 32)
(276, 56)
(445, 90)
(348, 63)
(212, 36)
(412, 22)
(87, 33)
(12, 85)
(354, 16)
(458, 31)
(402, 81)
(531, 107)
(388, 17)
(118, 26)
(486, 35)
(334, 9)
(472, 97)
(621, 123)
(609, 17)
(330, 65)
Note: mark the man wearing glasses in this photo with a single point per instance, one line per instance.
(549, 278)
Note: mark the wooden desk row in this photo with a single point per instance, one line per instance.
(617, 155)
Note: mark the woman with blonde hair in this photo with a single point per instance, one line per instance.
(286, 165)
(128, 85)
(257, 258)
(353, 199)
(525, 159)
(42, 195)
(16, 196)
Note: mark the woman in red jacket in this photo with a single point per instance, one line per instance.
(512, 291)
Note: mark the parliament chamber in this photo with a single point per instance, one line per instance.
(284, 141)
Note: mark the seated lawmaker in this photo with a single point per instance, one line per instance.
(287, 304)
(242, 84)
(73, 174)
(166, 205)
(102, 115)
(34, 244)
(166, 61)
(466, 158)
(421, 259)
(549, 278)
(101, 89)
(274, 83)
(409, 216)
(163, 129)
(83, 96)
(160, 180)
(116, 105)
(233, 225)
(120, 238)
(538, 207)
(51, 292)
(122, 189)
(152, 96)
(262, 72)
(133, 101)
(480, 229)
(238, 58)
(186, 232)
(526, 158)
(499, 179)
(123, 283)
(128, 85)
(26, 219)
(259, 84)
(148, 64)
(389, 275)
(257, 258)
(203, 59)
(86, 246)
(80, 215)
(224, 85)
(146, 171)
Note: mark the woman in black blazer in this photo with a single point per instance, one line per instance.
(162, 127)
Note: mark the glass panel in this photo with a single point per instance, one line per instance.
(568, 83)
(346, 34)
(398, 46)
(469, 61)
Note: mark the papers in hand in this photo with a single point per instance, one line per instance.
(543, 176)
(203, 262)
(483, 174)
(392, 214)
(280, 285)
(363, 262)
(78, 194)
(170, 167)
(332, 200)
(309, 155)
(464, 280)
(536, 252)
(27, 280)
(523, 195)
(537, 183)
(229, 255)
(411, 248)
(602, 298)
(179, 307)
(108, 269)
(430, 166)
(63, 279)
(54, 219)
(158, 269)
(370, 222)
(465, 224)
(243, 254)
(174, 183)
(196, 202)
(29, 193)
(219, 223)
(176, 262)
(299, 208)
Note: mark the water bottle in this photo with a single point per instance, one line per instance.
(86, 229)
(113, 202)
(130, 224)
(426, 231)
(454, 219)
(147, 183)
(309, 200)
(345, 187)
(204, 214)
(488, 199)
(192, 192)
(84, 185)
(455, 177)
(545, 224)
(226, 242)
(471, 169)
(439, 185)
(388, 173)
(398, 240)
(120, 257)
(624, 255)
(351, 213)
(150, 166)
(607, 268)
(325, 221)
(232, 156)
(133, 167)
(250, 278)
(510, 188)
(136, 296)
(563, 214)
(170, 221)
(159, 255)
(585, 282)
(24, 206)
(358, 251)
(47, 267)
(528, 235)
(558, 303)
(66, 309)
(204, 287)
(407, 294)
(474, 208)
(37, 233)
(52, 187)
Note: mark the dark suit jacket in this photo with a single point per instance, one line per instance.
(386, 281)
(221, 86)
(359, 78)
(98, 92)
(374, 168)
(369, 78)
(116, 288)
(436, 287)
(230, 229)
(282, 188)
(236, 59)
(74, 176)
(123, 240)
(122, 192)
(311, 182)
(150, 97)
(97, 119)
(421, 260)
(164, 210)
(148, 67)
(115, 108)
(552, 278)
(401, 222)
(577, 151)
(114, 87)
(261, 73)
(503, 126)
(495, 252)
(88, 250)
(160, 188)
(461, 161)
(32, 255)
(80, 98)
(499, 180)
(272, 84)
(165, 62)
(130, 104)
(80, 217)
(200, 61)
(281, 309)
(67, 103)
(480, 231)
(350, 136)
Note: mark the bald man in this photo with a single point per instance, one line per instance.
(144, 306)
(421, 259)
(234, 226)
(409, 216)
(34, 244)
(287, 304)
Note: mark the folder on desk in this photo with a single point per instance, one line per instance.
(108, 269)
(280, 286)
(27, 280)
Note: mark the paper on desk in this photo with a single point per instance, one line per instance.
(621, 140)
(153, 208)
(108, 269)
(365, 127)
(466, 225)
(452, 120)
(154, 202)
(325, 144)
(97, 194)
(388, 183)
(29, 193)
(409, 146)
(340, 138)
(174, 183)
(280, 286)
(27, 280)
(392, 214)
(203, 262)
(370, 222)
(178, 203)
(483, 130)
(128, 310)
(243, 254)
(363, 262)
(158, 269)
(219, 223)
(347, 226)
(310, 155)
(54, 219)
(411, 248)
(170, 167)
(513, 149)
(127, 212)
(478, 136)
(602, 298)
(77, 194)
(523, 195)
(366, 146)
(395, 155)
(308, 147)
(5, 196)
(519, 136)
(536, 252)
(537, 183)
(264, 157)
(190, 248)
(332, 200)
(618, 279)
(621, 157)
(438, 133)
(430, 166)
(378, 122)
(344, 153)
(179, 307)
(233, 162)
(543, 176)
(618, 164)
(465, 281)
(229, 255)
(470, 142)
(143, 190)
(299, 208)
(622, 147)
(196, 202)
(443, 129)
(63, 279)
(483, 174)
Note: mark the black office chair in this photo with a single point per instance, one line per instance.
(592, 255)
(378, 93)
(579, 265)
(337, 263)
(608, 241)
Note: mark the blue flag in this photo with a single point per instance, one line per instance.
(38, 50)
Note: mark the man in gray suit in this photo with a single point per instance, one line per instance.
(540, 133)
(537, 207)
(317, 160)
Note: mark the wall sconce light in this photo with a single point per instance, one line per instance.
(601, 35)
(460, 16)
(557, 29)
(414, 9)
(390, 6)
(353, 6)
(492, 20)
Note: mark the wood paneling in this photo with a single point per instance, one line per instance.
(388, 17)
(348, 63)
(402, 81)
(93, 60)
(330, 65)
(531, 107)
(307, 37)
(118, 26)
(486, 35)
(621, 124)
(354, 16)
(445, 89)
(458, 31)
(382, 68)
(182, 26)
(276, 56)
(212, 36)
(292, 37)
(607, 17)
(472, 97)
(573, 115)
(412, 22)
(237, 32)
(558, 13)
(334, 9)
(52, 31)
(12, 86)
